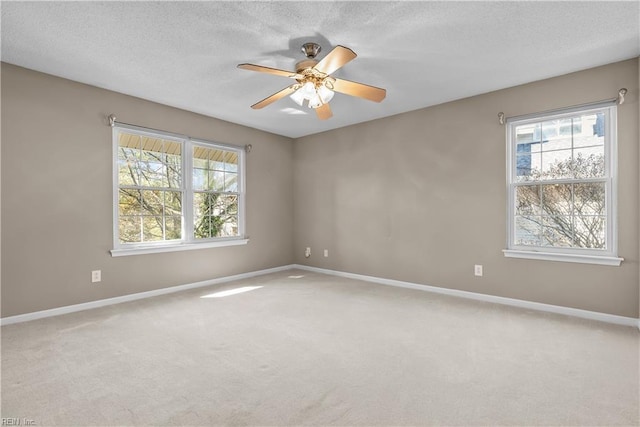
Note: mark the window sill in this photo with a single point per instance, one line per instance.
(550, 256)
(176, 248)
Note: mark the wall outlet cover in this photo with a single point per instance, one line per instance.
(477, 270)
(96, 276)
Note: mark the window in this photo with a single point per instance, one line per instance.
(174, 193)
(561, 184)
(215, 192)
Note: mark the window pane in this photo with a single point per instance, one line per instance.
(556, 164)
(229, 226)
(200, 179)
(200, 205)
(216, 159)
(129, 144)
(129, 202)
(560, 143)
(200, 163)
(173, 176)
(200, 157)
(581, 140)
(230, 203)
(152, 202)
(152, 156)
(231, 182)
(527, 167)
(201, 227)
(590, 232)
(527, 200)
(230, 161)
(589, 198)
(528, 230)
(556, 134)
(172, 151)
(218, 204)
(152, 228)
(173, 227)
(577, 126)
(216, 181)
(220, 224)
(557, 199)
(557, 231)
(529, 135)
(549, 130)
(589, 162)
(151, 174)
(207, 206)
(565, 127)
(173, 203)
(217, 225)
(129, 229)
(128, 172)
(130, 154)
(213, 200)
(592, 130)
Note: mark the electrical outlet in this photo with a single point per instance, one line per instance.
(96, 276)
(326, 253)
(477, 270)
(307, 252)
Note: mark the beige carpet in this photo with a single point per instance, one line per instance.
(318, 350)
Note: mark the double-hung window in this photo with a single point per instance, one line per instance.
(173, 193)
(561, 186)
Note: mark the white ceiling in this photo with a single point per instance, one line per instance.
(184, 54)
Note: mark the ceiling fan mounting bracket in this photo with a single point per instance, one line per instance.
(311, 49)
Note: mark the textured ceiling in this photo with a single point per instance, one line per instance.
(184, 54)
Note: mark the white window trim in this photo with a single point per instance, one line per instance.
(142, 250)
(187, 242)
(550, 256)
(576, 255)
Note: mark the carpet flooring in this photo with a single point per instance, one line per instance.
(303, 348)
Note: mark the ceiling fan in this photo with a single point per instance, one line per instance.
(314, 84)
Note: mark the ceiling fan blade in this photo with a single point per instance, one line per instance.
(360, 90)
(273, 98)
(324, 112)
(335, 59)
(269, 70)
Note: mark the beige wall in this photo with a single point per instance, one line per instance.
(418, 197)
(57, 196)
(421, 197)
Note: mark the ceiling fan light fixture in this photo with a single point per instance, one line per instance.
(308, 90)
(325, 94)
(298, 97)
(315, 97)
(315, 101)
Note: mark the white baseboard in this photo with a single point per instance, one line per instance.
(132, 297)
(585, 314)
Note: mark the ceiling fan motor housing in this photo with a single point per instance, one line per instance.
(305, 64)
